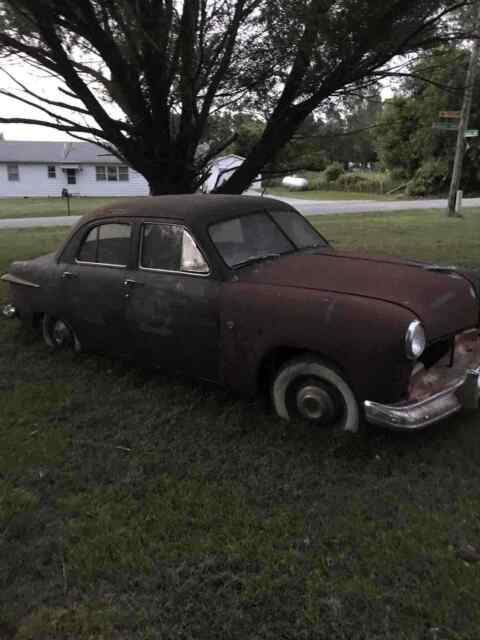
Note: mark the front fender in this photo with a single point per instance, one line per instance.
(364, 337)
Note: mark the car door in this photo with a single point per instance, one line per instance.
(172, 309)
(93, 286)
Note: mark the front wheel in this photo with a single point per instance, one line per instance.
(58, 334)
(310, 389)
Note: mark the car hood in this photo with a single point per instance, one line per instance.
(442, 298)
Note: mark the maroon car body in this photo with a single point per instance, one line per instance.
(330, 332)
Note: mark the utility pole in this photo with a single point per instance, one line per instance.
(465, 115)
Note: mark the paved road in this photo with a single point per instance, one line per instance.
(310, 207)
(324, 207)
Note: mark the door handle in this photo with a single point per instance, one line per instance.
(129, 282)
(68, 275)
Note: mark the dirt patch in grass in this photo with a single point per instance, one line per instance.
(134, 504)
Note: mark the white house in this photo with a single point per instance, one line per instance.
(85, 169)
(222, 168)
(45, 168)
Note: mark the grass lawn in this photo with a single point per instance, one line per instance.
(327, 195)
(138, 505)
(39, 207)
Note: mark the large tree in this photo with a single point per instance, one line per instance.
(143, 77)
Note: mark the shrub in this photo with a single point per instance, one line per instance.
(367, 182)
(399, 175)
(355, 182)
(271, 182)
(430, 178)
(334, 171)
(316, 184)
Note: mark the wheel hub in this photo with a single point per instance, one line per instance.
(315, 403)
(61, 333)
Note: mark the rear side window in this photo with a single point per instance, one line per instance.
(170, 247)
(106, 244)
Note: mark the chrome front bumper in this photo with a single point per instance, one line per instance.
(464, 394)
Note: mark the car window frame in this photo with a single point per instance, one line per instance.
(250, 213)
(96, 224)
(176, 223)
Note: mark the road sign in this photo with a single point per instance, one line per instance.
(456, 115)
(471, 133)
(445, 126)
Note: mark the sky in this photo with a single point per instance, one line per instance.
(39, 82)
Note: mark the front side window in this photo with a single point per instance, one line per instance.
(13, 172)
(170, 247)
(52, 171)
(112, 174)
(106, 244)
(262, 235)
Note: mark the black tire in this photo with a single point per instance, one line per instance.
(59, 335)
(308, 388)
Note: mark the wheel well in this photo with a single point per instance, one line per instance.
(273, 360)
(37, 319)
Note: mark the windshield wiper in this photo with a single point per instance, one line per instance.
(251, 259)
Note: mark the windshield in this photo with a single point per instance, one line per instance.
(263, 235)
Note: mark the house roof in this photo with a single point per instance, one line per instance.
(54, 152)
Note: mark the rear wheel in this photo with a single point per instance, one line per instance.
(58, 334)
(312, 390)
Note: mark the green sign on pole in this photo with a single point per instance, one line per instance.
(471, 133)
(445, 126)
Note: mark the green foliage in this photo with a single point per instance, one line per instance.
(430, 178)
(406, 140)
(357, 181)
(334, 171)
(395, 136)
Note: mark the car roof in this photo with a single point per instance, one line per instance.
(193, 209)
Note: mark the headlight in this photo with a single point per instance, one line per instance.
(415, 340)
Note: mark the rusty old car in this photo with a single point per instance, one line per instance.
(245, 292)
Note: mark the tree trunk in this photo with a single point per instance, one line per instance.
(168, 172)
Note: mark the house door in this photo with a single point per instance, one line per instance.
(71, 176)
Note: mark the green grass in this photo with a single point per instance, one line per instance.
(135, 504)
(40, 207)
(425, 234)
(326, 195)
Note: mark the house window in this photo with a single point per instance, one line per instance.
(112, 173)
(13, 172)
(101, 176)
(123, 173)
(52, 171)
